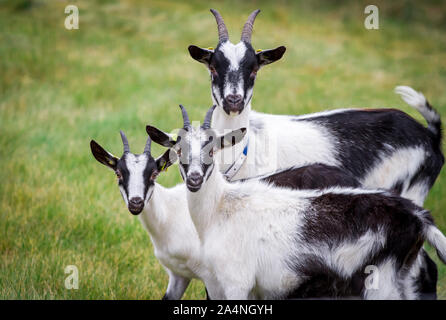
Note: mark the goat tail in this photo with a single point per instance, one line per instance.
(417, 101)
(433, 235)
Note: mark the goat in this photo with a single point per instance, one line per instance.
(164, 211)
(263, 241)
(165, 214)
(382, 148)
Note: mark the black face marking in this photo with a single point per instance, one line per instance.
(146, 173)
(125, 175)
(136, 173)
(235, 97)
(206, 154)
(222, 75)
(207, 163)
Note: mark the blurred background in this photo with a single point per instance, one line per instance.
(127, 66)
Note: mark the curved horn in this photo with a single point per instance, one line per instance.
(186, 121)
(222, 31)
(247, 28)
(125, 142)
(147, 146)
(207, 119)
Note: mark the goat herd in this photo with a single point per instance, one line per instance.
(279, 207)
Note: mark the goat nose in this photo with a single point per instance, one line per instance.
(137, 201)
(136, 205)
(195, 178)
(194, 181)
(234, 98)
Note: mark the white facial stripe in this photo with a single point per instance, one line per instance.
(123, 194)
(149, 194)
(249, 94)
(136, 165)
(231, 88)
(234, 53)
(216, 98)
(195, 152)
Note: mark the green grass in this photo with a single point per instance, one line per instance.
(128, 66)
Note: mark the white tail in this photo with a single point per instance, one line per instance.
(418, 101)
(437, 239)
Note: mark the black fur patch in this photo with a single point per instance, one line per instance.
(363, 135)
(315, 176)
(336, 218)
(427, 281)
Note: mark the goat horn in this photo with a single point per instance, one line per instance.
(222, 31)
(207, 119)
(147, 146)
(186, 121)
(125, 142)
(247, 28)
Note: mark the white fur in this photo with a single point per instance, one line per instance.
(400, 165)
(135, 165)
(175, 241)
(418, 101)
(281, 143)
(234, 53)
(387, 285)
(437, 239)
(349, 256)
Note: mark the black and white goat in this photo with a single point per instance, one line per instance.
(262, 241)
(164, 212)
(383, 148)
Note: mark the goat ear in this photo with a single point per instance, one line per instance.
(231, 138)
(160, 137)
(166, 160)
(200, 54)
(265, 57)
(103, 156)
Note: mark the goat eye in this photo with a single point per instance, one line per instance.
(213, 71)
(118, 174)
(179, 152)
(253, 73)
(154, 175)
(211, 153)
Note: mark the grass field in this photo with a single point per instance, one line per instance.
(128, 66)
